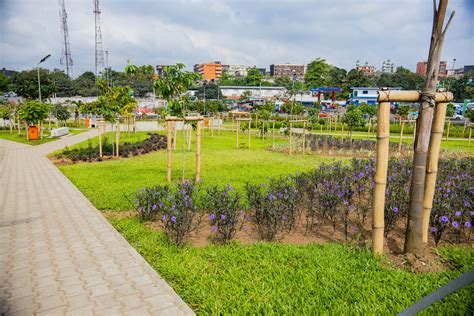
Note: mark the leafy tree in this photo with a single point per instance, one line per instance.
(34, 111)
(3, 83)
(313, 115)
(317, 74)
(450, 110)
(63, 85)
(403, 110)
(370, 110)
(254, 77)
(212, 91)
(353, 118)
(85, 85)
(469, 114)
(61, 113)
(293, 108)
(246, 95)
(25, 83)
(461, 88)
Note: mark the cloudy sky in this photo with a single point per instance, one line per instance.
(250, 32)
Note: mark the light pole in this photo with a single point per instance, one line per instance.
(39, 81)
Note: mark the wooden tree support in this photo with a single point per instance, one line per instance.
(383, 139)
(243, 119)
(291, 135)
(170, 120)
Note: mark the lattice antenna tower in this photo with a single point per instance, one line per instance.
(66, 58)
(99, 52)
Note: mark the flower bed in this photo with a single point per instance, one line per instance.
(339, 195)
(91, 153)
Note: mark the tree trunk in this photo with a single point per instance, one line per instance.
(414, 234)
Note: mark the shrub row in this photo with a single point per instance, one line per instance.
(339, 194)
(90, 153)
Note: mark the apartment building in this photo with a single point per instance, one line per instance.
(209, 71)
(422, 65)
(295, 71)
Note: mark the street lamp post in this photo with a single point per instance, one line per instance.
(39, 81)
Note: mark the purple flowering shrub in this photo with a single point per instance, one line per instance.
(225, 212)
(150, 202)
(397, 193)
(453, 202)
(274, 207)
(180, 212)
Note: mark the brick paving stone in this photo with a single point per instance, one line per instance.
(58, 254)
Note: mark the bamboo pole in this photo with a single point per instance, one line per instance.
(175, 135)
(190, 134)
(27, 134)
(414, 132)
(380, 179)
(470, 134)
(100, 140)
(212, 126)
(117, 137)
(304, 138)
(237, 130)
(291, 137)
(447, 131)
(198, 151)
(169, 148)
(432, 165)
(401, 137)
(273, 135)
(250, 124)
(368, 129)
(321, 132)
(411, 96)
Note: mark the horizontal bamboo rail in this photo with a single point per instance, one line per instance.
(411, 96)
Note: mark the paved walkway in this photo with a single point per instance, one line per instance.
(58, 254)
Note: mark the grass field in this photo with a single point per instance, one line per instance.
(107, 183)
(273, 278)
(262, 278)
(5, 134)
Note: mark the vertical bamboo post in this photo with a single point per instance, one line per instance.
(198, 151)
(447, 131)
(28, 134)
(342, 130)
(380, 179)
(400, 142)
(273, 135)
(190, 134)
(220, 120)
(212, 125)
(470, 134)
(321, 126)
(432, 165)
(368, 129)
(117, 137)
(175, 135)
(291, 137)
(100, 139)
(237, 131)
(304, 138)
(250, 125)
(169, 148)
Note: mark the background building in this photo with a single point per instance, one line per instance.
(287, 70)
(263, 71)
(421, 69)
(209, 71)
(366, 69)
(234, 92)
(235, 70)
(367, 95)
(7, 72)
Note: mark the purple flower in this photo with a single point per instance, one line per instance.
(163, 218)
(153, 207)
(214, 228)
(186, 203)
(285, 218)
(212, 216)
(280, 195)
(222, 217)
(351, 207)
(271, 197)
(173, 218)
(136, 202)
(229, 187)
(241, 213)
(395, 209)
(472, 213)
(345, 202)
(173, 207)
(444, 219)
(467, 224)
(467, 204)
(448, 190)
(455, 224)
(458, 213)
(143, 189)
(160, 204)
(433, 229)
(245, 228)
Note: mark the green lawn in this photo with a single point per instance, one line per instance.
(273, 278)
(13, 136)
(107, 183)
